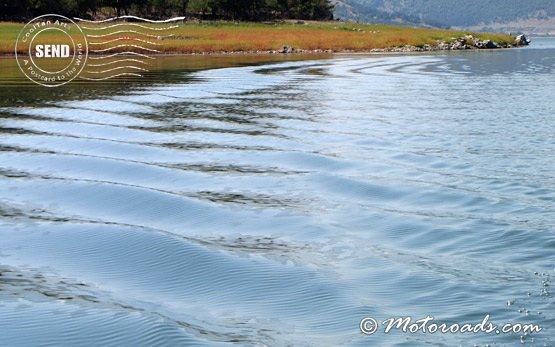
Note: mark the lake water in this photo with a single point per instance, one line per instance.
(277, 203)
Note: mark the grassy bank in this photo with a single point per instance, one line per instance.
(220, 37)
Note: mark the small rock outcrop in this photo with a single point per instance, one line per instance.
(522, 40)
(487, 44)
(286, 49)
(469, 42)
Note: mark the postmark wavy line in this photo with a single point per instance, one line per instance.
(118, 68)
(123, 46)
(130, 24)
(129, 32)
(119, 61)
(121, 53)
(114, 76)
(124, 39)
(175, 19)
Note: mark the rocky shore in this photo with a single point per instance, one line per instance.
(467, 42)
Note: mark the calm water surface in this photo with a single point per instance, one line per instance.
(279, 203)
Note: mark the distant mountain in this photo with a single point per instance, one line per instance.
(499, 15)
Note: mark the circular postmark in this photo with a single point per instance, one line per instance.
(51, 50)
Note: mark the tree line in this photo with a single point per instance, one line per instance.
(155, 9)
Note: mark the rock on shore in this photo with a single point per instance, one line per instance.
(522, 40)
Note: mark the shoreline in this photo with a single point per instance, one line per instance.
(298, 52)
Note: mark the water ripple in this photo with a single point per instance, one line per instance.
(277, 205)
